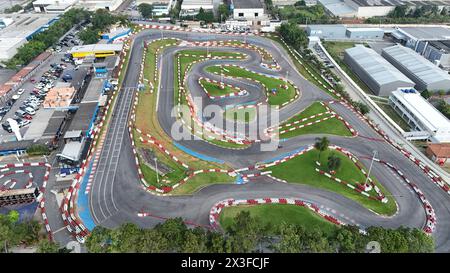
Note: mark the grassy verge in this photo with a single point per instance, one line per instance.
(202, 180)
(289, 171)
(394, 116)
(336, 50)
(215, 90)
(185, 62)
(302, 68)
(332, 126)
(275, 214)
(281, 96)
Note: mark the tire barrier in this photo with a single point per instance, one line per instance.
(215, 211)
(297, 92)
(361, 188)
(68, 210)
(240, 92)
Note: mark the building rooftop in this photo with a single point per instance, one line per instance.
(423, 110)
(83, 117)
(441, 45)
(416, 64)
(59, 97)
(247, 4)
(376, 66)
(96, 47)
(338, 7)
(426, 33)
(196, 2)
(25, 24)
(440, 150)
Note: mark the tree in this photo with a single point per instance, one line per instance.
(89, 36)
(321, 145)
(245, 233)
(363, 108)
(300, 3)
(444, 12)
(425, 94)
(146, 10)
(399, 12)
(334, 162)
(205, 16)
(47, 246)
(99, 241)
(293, 35)
(223, 12)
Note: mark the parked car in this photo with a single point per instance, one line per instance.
(20, 91)
(7, 127)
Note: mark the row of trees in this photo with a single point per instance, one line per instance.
(13, 9)
(249, 234)
(406, 14)
(47, 38)
(301, 14)
(100, 21)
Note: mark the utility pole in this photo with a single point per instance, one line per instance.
(371, 164)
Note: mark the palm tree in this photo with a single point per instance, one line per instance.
(321, 144)
(334, 162)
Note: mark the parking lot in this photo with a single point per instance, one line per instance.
(25, 106)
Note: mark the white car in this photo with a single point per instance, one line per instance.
(20, 91)
(30, 111)
(24, 122)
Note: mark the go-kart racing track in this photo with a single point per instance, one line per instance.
(117, 195)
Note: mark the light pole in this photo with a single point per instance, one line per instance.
(156, 165)
(375, 152)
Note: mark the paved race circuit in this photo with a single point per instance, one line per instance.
(117, 195)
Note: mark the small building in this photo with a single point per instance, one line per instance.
(439, 153)
(97, 50)
(364, 33)
(53, 6)
(327, 32)
(421, 115)
(110, 5)
(426, 75)
(377, 73)
(59, 97)
(192, 7)
(247, 9)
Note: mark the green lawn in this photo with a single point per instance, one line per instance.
(149, 64)
(301, 169)
(215, 90)
(331, 126)
(282, 95)
(202, 180)
(185, 61)
(241, 115)
(394, 116)
(275, 214)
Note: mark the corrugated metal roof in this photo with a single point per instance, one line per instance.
(422, 110)
(375, 66)
(416, 64)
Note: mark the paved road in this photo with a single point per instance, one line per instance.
(122, 188)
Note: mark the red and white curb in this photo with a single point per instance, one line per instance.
(239, 92)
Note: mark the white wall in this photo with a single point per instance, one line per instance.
(366, 12)
(248, 13)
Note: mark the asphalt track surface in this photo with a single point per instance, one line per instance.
(117, 196)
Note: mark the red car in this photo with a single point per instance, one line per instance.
(28, 117)
(32, 80)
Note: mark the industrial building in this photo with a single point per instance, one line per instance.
(371, 8)
(341, 32)
(192, 7)
(110, 5)
(431, 42)
(247, 9)
(426, 75)
(160, 7)
(282, 3)
(379, 75)
(364, 33)
(426, 121)
(53, 6)
(97, 50)
(20, 28)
